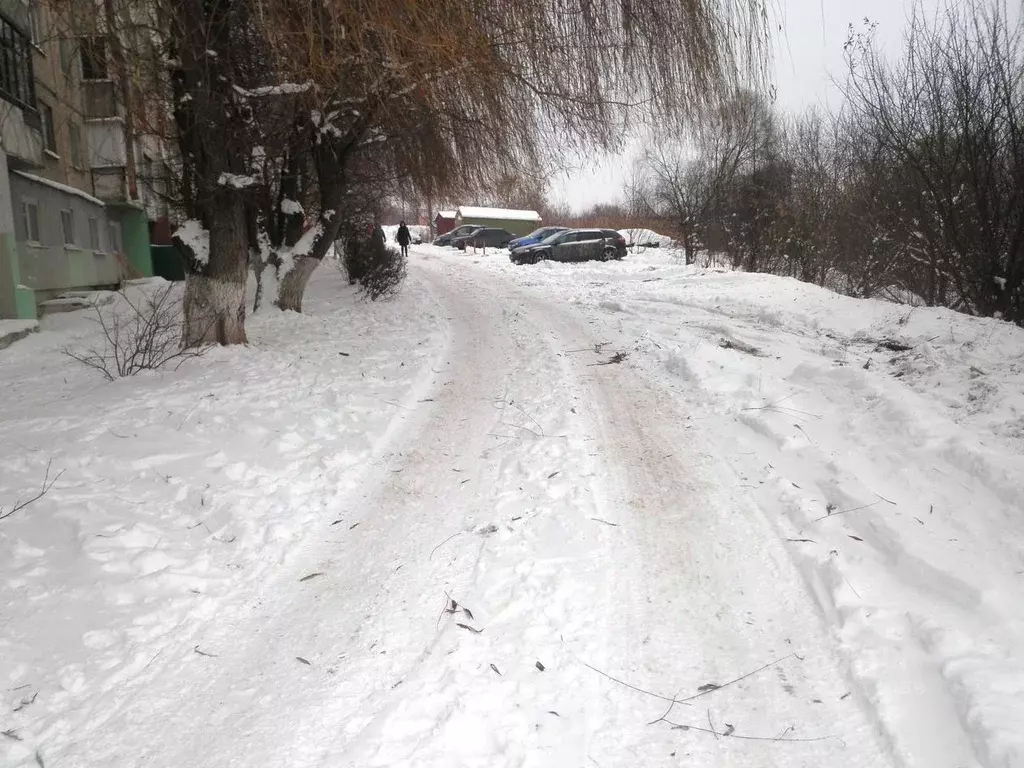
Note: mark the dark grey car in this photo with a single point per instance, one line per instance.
(447, 237)
(484, 237)
(574, 245)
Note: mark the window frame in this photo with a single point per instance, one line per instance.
(48, 128)
(17, 79)
(114, 236)
(68, 51)
(94, 68)
(35, 24)
(94, 235)
(26, 204)
(75, 145)
(65, 223)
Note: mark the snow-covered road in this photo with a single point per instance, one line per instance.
(570, 509)
(549, 558)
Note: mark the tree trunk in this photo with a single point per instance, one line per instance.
(215, 297)
(293, 283)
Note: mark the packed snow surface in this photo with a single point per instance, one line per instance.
(624, 514)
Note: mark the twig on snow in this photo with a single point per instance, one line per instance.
(597, 349)
(44, 489)
(442, 544)
(623, 683)
(711, 687)
(599, 520)
(522, 411)
(805, 434)
(26, 702)
(853, 509)
(702, 691)
(615, 359)
(774, 407)
(733, 735)
(711, 725)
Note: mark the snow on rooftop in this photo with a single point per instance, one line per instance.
(447, 214)
(473, 212)
(62, 187)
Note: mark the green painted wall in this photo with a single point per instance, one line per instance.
(135, 231)
(516, 227)
(16, 301)
(24, 303)
(52, 270)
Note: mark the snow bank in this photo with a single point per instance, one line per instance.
(177, 492)
(645, 238)
(885, 444)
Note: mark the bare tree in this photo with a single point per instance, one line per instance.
(949, 116)
(686, 183)
(492, 89)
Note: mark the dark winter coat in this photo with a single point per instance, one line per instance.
(403, 236)
(378, 238)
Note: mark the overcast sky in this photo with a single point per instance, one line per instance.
(808, 50)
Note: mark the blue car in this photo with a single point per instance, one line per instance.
(535, 237)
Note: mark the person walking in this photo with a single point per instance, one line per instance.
(378, 240)
(404, 238)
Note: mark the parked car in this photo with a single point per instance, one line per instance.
(447, 237)
(535, 237)
(484, 237)
(574, 245)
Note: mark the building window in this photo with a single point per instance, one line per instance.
(17, 83)
(75, 142)
(94, 234)
(35, 22)
(114, 236)
(30, 218)
(94, 58)
(49, 135)
(67, 55)
(67, 224)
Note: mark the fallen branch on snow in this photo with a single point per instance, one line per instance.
(830, 513)
(615, 359)
(775, 407)
(740, 346)
(46, 486)
(732, 735)
(442, 544)
(701, 691)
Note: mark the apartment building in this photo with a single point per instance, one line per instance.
(76, 211)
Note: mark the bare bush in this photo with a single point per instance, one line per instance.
(384, 272)
(143, 335)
